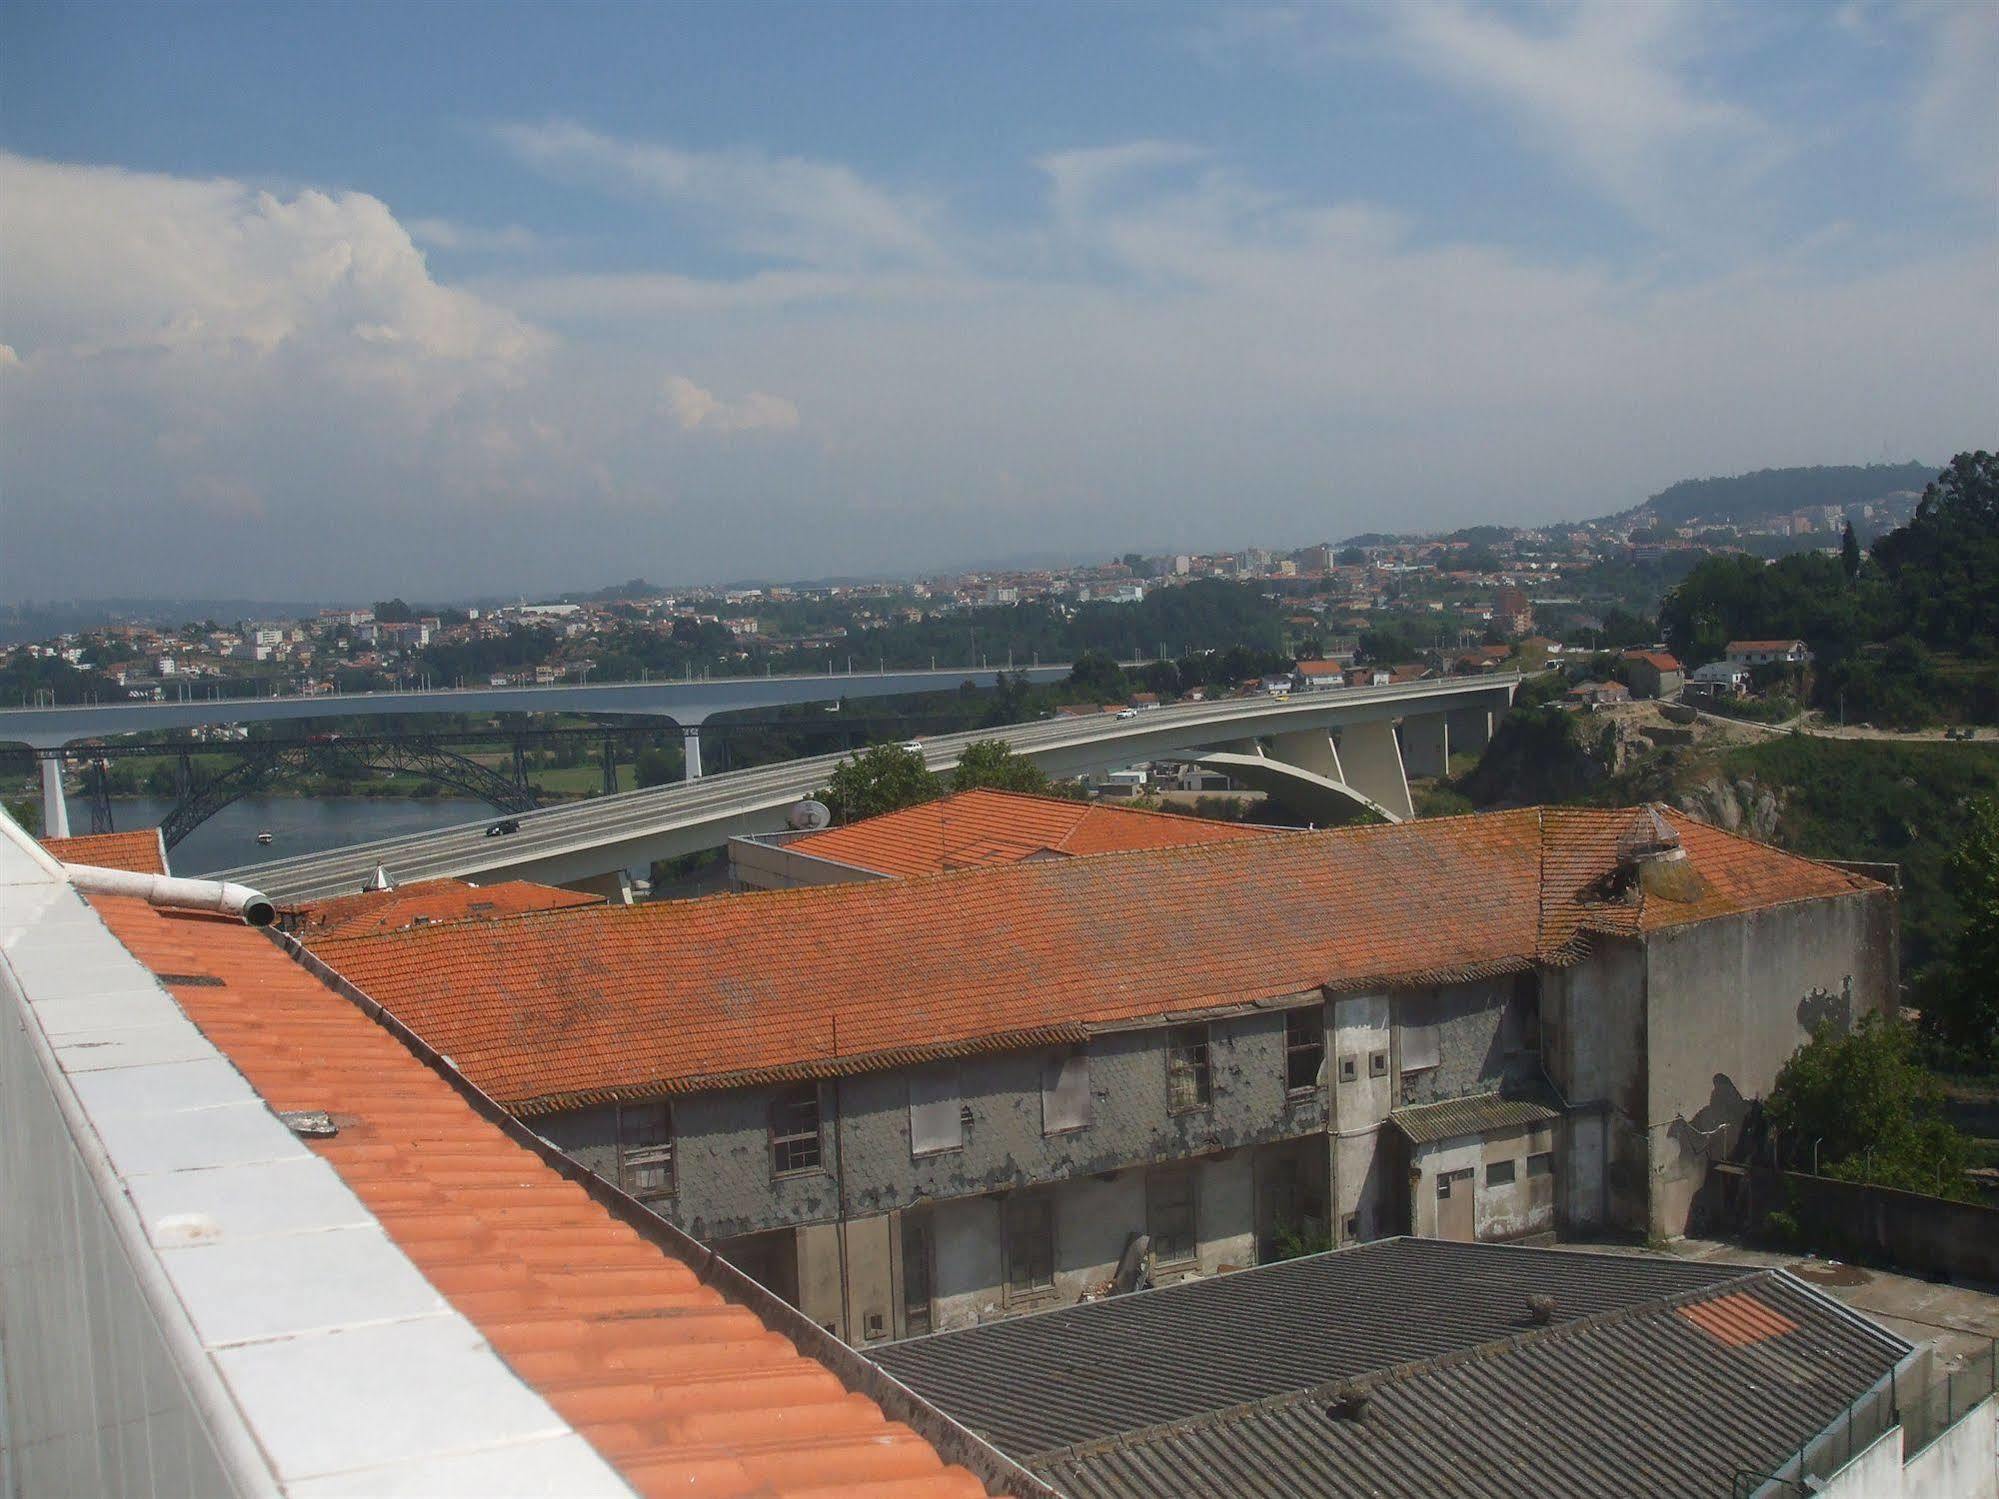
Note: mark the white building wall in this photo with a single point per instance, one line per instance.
(1963, 1463)
(1362, 1029)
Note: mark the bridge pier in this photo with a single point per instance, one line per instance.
(690, 740)
(55, 810)
(1309, 749)
(1426, 745)
(1374, 765)
(1471, 729)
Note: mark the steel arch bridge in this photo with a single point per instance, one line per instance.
(262, 764)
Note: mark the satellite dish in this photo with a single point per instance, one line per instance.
(809, 817)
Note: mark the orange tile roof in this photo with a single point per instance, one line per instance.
(682, 1390)
(141, 852)
(565, 1008)
(435, 900)
(1657, 660)
(1000, 827)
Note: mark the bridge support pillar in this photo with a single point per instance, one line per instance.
(690, 739)
(1309, 749)
(1373, 764)
(1471, 729)
(55, 810)
(1426, 745)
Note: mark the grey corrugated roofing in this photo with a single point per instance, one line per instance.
(1450, 1118)
(1644, 1400)
(1083, 1372)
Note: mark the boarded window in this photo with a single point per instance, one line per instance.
(1420, 1048)
(1304, 1048)
(1028, 1227)
(936, 1118)
(1541, 1163)
(794, 1130)
(1189, 1085)
(645, 1149)
(1170, 1215)
(1065, 1092)
(1499, 1174)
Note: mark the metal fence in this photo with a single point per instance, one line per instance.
(1944, 1403)
(1924, 1409)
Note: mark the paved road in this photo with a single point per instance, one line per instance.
(1803, 724)
(580, 839)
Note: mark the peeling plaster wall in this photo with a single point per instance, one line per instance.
(725, 1186)
(1728, 1002)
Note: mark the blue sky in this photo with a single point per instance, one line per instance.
(553, 294)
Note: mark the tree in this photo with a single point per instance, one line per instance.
(1873, 1112)
(886, 778)
(1849, 553)
(1099, 675)
(393, 612)
(1960, 994)
(657, 767)
(989, 764)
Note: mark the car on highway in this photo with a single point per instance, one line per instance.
(503, 826)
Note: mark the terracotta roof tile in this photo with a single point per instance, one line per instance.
(141, 852)
(435, 900)
(683, 1391)
(1000, 827)
(563, 1008)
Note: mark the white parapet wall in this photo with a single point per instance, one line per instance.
(191, 1301)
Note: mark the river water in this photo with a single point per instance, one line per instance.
(298, 824)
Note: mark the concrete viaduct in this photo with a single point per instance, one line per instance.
(687, 703)
(1324, 750)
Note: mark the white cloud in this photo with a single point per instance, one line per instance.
(448, 234)
(1608, 88)
(782, 207)
(221, 389)
(1954, 125)
(700, 410)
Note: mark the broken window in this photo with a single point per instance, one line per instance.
(794, 1130)
(1027, 1221)
(1541, 1163)
(1188, 1083)
(936, 1119)
(1170, 1214)
(1304, 1048)
(1065, 1092)
(1499, 1173)
(645, 1149)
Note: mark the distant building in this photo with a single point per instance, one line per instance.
(1768, 653)
(1512, 614)
(1655, 673)
(1597, 694)
(1719, 679)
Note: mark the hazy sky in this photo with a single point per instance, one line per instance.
(340, 300)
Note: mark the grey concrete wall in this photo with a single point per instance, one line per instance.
(722, 1150)
(1593, 1045)
(1728, 1001)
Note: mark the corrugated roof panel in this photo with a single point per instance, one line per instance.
(1077, 1374)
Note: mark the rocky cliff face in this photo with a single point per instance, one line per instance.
(1740, 804)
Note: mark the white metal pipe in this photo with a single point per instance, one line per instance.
(222, 896)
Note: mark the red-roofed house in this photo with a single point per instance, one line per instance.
(1768, 653)
(1654, 673)
(922, 1102)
